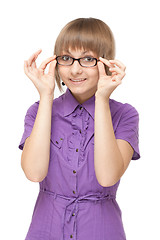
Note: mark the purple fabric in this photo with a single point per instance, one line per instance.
(71, 203)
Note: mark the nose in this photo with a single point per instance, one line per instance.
(76, 68)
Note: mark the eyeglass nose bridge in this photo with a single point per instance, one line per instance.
(76, 59)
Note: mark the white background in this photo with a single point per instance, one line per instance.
(29, 25)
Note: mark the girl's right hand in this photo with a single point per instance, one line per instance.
(44, 82)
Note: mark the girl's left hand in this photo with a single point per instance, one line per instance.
(107, 84)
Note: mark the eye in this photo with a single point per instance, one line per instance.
(88, 59)
(66, 58)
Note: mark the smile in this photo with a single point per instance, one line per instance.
(78, 80)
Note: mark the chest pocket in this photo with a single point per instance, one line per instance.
(57, 139)
(92, 141)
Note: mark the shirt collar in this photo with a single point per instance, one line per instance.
(71, 103)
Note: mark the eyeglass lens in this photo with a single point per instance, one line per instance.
(85, 62)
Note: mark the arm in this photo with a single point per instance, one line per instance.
(111, 156)
(36, 151)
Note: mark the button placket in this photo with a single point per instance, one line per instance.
(81, 108)
(73, 138)
(74, 172)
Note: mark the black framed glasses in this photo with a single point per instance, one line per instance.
(84, 61)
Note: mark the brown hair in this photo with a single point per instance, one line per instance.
(88, 34)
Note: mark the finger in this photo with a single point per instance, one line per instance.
(34, 57)
(101, 69)
(52, 67)
(116, 70)
(26, 67)
(118, 63)
(116, 79)
(114, 73)
(46, 62)
(34, 65)
(105, 61)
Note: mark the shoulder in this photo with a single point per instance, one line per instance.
(123, 114)
(32, 109)
(57, 107)
(57, 104)
(121, 108)
(58, 100)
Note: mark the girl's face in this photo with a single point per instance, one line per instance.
(81, 90)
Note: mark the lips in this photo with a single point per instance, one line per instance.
(78, 80)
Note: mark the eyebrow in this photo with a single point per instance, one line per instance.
(71, 53)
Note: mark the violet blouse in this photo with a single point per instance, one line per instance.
(71, 204)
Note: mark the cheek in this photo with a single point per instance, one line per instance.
(61, 72)
(95, 74)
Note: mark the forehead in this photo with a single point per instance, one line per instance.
(78, 52)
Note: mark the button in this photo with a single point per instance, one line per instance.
(71, 236)
(74, 171)
(56, 142)
(80, 108)
(73, 214)
(74, 192)
(61, 138)
(80, 131)
(77, 150)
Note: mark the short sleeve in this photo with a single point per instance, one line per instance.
(128, 129)
(29, 123)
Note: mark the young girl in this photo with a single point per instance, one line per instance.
(78, 145)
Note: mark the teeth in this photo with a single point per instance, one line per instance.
(79, 80)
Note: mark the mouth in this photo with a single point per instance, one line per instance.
(78, 81)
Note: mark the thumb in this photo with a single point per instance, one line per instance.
(52, 67)
(101, 69)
